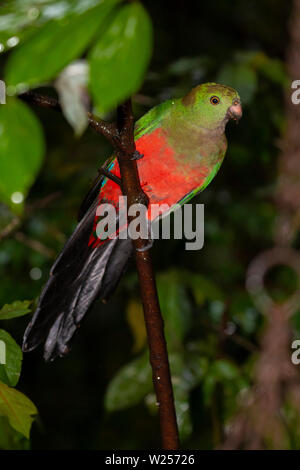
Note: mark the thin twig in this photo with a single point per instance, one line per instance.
(43, 202)
(17, 221)
(107, 129)
(10, 228)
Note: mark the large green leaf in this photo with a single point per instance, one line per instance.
(10, 371)
(11, 439)
(136, 322)
(21, 151)
(130, 384)
(20, 18)
(119, 59)
(54, 45)
(17, 309)
(242, 77)
(16, 21)
(19, 410)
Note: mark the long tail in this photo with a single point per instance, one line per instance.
(80, 274)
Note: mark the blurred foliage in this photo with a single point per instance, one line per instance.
(119, 59)
(17, 412)
(21, 137)
(213, 329)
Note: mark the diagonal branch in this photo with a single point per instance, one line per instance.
(109, 130)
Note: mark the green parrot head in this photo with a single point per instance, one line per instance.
(211, 105)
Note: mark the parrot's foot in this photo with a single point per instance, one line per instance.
(137, 155)
(146, 247)
(110, 176)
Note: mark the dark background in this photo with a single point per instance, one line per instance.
(241, 43)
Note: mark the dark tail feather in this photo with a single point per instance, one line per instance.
(79, 276)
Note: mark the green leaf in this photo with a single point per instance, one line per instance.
(119, 59)
(53, 46)
(223, 369)
(275, 71)
(130, 384)
(17, 309)
(175, 307)
(136, 322)
(10, 371)
(224, 372)
(197, 366)
(21, 152)
(243, 313)
(242, 78)
(11, 439)
(203, 289)
(15, 22)
(20, 18)
(17, 408)
(181, 386)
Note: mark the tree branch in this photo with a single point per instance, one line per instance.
(153, 318)
(107, 129)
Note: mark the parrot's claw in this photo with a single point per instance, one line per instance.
(146, 247)
(137, 155)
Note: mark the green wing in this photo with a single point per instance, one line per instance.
(151, 120)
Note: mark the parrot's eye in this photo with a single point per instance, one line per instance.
(215, 100)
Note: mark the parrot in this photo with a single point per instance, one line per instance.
(180, 146)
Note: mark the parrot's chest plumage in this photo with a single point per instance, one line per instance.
(172, 167)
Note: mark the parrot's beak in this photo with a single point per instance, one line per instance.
(235, 111)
